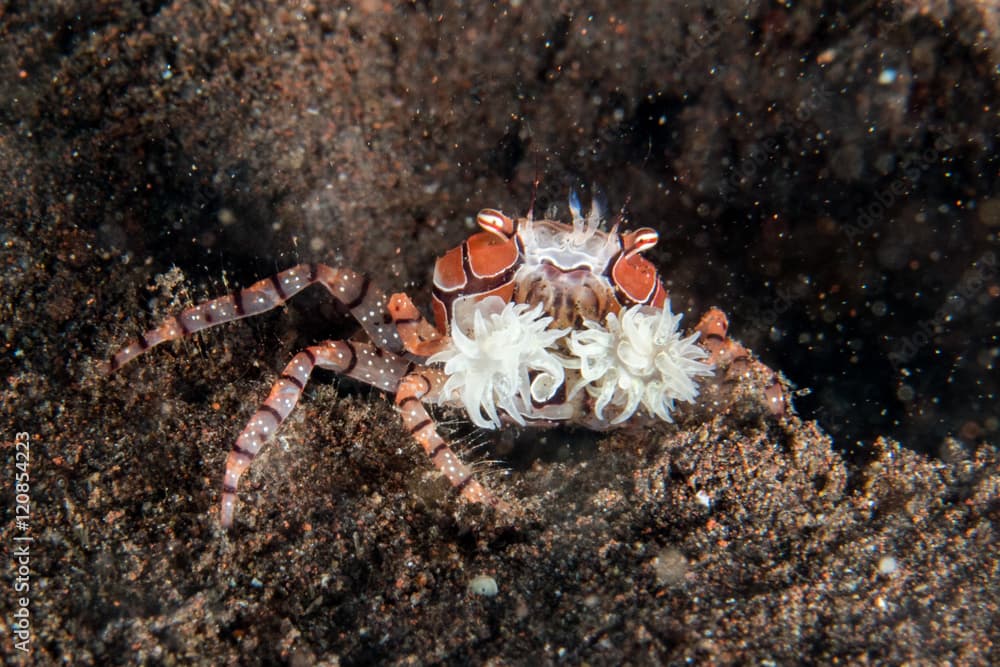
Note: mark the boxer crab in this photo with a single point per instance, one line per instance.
(538, 323)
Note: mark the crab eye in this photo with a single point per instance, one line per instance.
(638, 241)
(495, 222)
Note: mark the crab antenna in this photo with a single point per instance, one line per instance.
(534, 191)
(574, 205)
(598, 204)
(596, 214)
(579, 231)
(620, 218)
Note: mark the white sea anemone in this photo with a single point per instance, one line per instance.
(639, 358)
(488, 363)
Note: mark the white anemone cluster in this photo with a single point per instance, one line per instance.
(503, 356)
(637, 359)
(492, 367)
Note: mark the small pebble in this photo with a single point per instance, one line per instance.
(670, 567)
(483, 585)
(887, 565)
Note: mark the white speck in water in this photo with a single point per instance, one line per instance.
(887, 76)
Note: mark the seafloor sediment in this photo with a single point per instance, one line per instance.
(159, 153)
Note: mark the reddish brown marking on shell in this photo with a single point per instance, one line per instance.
(636, 278)
(660, 297)
(489, 255)
(442, 317)
(440, 314)
(449, 272)
(505, 292)
(480, 267)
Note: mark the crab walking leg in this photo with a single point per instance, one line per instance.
(714, 327)
(422, 385)
(366, 302)
(418, 335)
(383, 370)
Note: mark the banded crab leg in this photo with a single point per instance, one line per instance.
(726, 353)
(723, 351)
(419, 336)
(355, 291)
(383, 370)
(420, 386)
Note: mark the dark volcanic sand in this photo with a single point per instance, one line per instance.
(826, 176)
